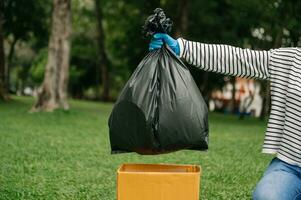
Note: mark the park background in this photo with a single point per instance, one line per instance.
(64, 62)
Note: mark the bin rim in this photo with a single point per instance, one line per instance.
(198, 167)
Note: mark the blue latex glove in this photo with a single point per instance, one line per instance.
(160, 38)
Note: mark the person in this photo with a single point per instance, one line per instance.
(282, 66)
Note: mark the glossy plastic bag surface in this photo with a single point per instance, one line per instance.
(160, 109)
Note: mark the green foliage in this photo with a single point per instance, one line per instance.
(25, 19)
(257, 24)
(84, 71)
(66, 155)
(15, 80)
(37, 68)
(75, 74)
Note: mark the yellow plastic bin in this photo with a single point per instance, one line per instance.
(158, 182)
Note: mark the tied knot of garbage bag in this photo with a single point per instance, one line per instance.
(157, 23)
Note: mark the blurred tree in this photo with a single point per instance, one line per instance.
(256, 24)
(278, 27)
(103, 60)
(23, 19)
(3, 92)
(182, 19)
(37, 69)
(84, 71)
(53, 92)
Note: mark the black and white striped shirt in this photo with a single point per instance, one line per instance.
(282, 67)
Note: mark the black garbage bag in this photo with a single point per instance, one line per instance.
(160, 109)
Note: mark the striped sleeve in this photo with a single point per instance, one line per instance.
(226, 59)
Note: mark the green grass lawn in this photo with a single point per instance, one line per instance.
(66, 155)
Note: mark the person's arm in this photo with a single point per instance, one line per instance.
(226, 59)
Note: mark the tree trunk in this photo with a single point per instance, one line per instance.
(204, 87)
(266, 98)
(182, 22)
(3, 91)
(53, 92)
(9, 63)
(102, 55)
(232, 101)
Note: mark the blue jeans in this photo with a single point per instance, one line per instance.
(281, 181)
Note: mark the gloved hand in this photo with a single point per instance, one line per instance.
(160, 38)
